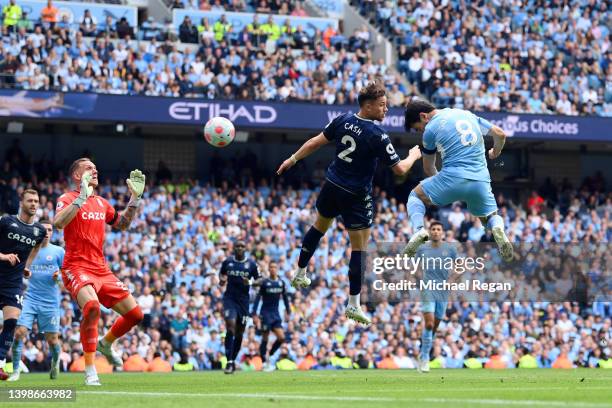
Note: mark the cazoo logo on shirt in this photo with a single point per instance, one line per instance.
(21, 238)
(93, 216)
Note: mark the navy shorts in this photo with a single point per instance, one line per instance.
(271, 322)
(236, 310)
(357, 211)
(11, 296)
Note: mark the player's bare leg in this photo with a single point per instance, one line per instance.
(54, 347)
(359, 242)
(11, 314)
(309, 246)
(20, 334)
(90, 307)
(417, 200)
(496, 224)
(131, 315)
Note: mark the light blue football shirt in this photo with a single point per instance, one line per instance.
(43, 289)
(458, 135)
(435, 258)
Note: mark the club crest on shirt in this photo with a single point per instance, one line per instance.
(49, 258)
(35, 232)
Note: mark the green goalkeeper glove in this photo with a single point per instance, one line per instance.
(85, 191)
(136, 183)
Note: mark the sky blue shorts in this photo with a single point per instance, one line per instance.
(48, 317)
(437, 308)
(443, 189)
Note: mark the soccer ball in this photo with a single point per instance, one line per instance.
(219, 131)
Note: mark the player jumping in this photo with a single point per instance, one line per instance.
(239, 273)
(458, 136)
(347, 190)
(85, 274)
(42, 303)
(20, 240)
(270, 291)
(433, 302)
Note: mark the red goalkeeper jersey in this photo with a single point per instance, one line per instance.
(84, 235)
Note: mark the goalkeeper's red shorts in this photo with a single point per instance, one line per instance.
(109, 289)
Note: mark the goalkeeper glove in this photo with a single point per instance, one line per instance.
(86, 190)
(136, 184)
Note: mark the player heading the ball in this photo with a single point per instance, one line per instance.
(347, 192)
(459, 137)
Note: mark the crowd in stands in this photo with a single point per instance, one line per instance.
(281, 7)
(264, 61)
(520, 56)
(535, 57)
(171, 256)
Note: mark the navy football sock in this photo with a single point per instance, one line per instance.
(275, 347)
(355, 271)
(309, 246)
(229, 345)
(6, 337)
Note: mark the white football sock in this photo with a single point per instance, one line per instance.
(90, 370)
(354, 300)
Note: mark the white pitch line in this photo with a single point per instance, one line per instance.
(564, 404)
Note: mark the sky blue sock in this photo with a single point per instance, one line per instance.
(416, 210)
(17, 347)
(55, 352)
(495, 221)
(426, 342)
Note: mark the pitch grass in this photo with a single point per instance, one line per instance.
(586, 388)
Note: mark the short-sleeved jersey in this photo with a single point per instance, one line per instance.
(84, 235)
(435, 260)
(42, 288)
(271, 292)
(360, 143)
(458, 136)
(17, 237)
(235, 272)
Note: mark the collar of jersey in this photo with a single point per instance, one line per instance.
(243, 261)
(22, 221)
(359, 117)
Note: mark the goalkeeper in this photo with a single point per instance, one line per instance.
(83, 216)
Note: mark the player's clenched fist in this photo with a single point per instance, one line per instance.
(136, 182)
(13, 259)
(415, 153)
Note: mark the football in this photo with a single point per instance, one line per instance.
(219, 131)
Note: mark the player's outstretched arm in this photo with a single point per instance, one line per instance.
(499, 139)
(404, 166)
(308, 148)
(136, 185)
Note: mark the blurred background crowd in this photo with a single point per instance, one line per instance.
(171, 256)
(534, 57)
